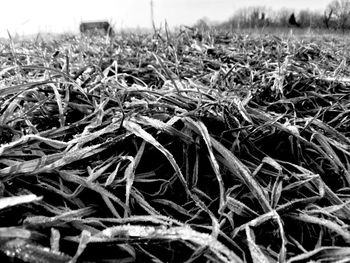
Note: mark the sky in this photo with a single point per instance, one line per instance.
(24, 17)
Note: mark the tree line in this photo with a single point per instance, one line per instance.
(336, 16)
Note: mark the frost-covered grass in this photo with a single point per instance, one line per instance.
(186, 147)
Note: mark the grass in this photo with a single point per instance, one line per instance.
(187, 147)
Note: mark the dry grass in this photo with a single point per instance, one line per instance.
(149, 148)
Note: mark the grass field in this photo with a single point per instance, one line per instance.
(206, 147)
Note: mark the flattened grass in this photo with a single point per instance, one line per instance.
(145, 148)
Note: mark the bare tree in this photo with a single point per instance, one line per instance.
(258, 17)
(305, 18)
(327, 16)
(311, 19)
(242, 16)
(341, 11)
(250, 17)
(281, 17)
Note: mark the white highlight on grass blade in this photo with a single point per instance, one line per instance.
(112, 176)
(203, 131)
(83, 242)
(335, 227)
(59, 104)
(14, 232)
(49, 162)
(240, 106)
(329, 254)
(293, 129)
(55, 240)
(16, 89)
(243, 173)
(164, 127)
(273, 163)
(17, 200)
(256, 253)
(181, 233)
(32, 138)
(138, 131)
(130, 175)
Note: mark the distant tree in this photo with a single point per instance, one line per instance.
(251, 17)
(327, 15)
(243, 17)
(203, 24)
(263, 20)
(305, 18)
(292, 21)
(281, 17)
(341, 11)
(316, 20)
(310, 19)
(254, 17)
(258, 17)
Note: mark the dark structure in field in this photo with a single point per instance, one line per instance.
(96, 27)
(292, 21)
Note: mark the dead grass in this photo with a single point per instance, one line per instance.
(175, 148)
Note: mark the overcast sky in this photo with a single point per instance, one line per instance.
(32, 16)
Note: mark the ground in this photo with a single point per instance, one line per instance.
(218, 147)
